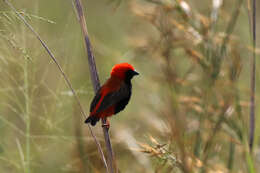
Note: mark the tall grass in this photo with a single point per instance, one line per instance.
(66, 80)
(27, 113)
(189, 107)
(253, 76)
(209, 85)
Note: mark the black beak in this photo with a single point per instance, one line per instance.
(135, 73)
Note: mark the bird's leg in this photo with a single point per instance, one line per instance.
(106, 124)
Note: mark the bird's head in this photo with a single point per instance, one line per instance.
(124, 71)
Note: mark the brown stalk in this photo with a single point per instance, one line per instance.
(252, 82)
(63, 74)
(95, 80)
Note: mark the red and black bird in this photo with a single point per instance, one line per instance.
(114, 95)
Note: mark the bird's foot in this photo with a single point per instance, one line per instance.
(106, 124)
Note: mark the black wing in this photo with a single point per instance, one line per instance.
(115, 97)
(95, 100)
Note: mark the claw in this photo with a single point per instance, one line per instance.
(107, 124)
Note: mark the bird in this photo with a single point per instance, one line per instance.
(113, 96)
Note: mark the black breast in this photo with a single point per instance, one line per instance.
(122, 104)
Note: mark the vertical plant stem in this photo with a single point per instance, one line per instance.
(209, 142)
(95, 80)
(252, 77)
(199, 140)
(27, 102)
(27, 113)
(229, 30)
(231, 156)
(197, 146)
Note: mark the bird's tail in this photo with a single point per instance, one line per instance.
(92, 120)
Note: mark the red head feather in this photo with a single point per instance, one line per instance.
(119, 70)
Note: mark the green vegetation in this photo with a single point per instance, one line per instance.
(190, 106)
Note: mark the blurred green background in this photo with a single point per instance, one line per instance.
(189, 111)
